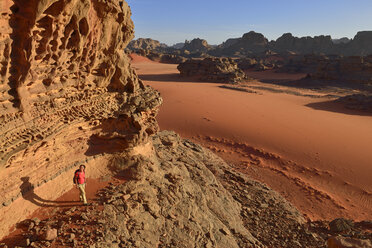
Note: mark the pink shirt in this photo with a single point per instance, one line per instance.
(80, 175)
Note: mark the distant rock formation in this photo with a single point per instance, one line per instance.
(253, 43)
(250, 43)
(220, 70)
(146, 44)
(196, 45)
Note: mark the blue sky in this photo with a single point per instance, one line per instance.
(172, 21)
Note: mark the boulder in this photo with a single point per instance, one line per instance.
(50, 234)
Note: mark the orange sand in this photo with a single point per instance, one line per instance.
(311, 151)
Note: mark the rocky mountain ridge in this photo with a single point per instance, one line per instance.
(253, 43)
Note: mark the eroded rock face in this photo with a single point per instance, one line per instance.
(220, 70)
(67, 92)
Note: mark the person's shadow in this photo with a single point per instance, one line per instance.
(28, 193)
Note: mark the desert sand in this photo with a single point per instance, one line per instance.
(315, 153)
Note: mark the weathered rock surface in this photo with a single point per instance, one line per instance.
(67, 94)
(220, 70)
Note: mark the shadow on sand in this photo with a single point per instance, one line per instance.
(336, 107)
(28, 193)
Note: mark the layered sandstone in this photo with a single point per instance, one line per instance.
(68, 96)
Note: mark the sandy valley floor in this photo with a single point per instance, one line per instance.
(317, 155)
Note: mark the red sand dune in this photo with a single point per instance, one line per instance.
(320, 160)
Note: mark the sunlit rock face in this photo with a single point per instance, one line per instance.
(67, 94)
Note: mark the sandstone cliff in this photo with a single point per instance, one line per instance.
(68, 96)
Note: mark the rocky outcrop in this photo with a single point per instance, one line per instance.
(196, 45)
(219, 70)
(146, 44)
(67, 96)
